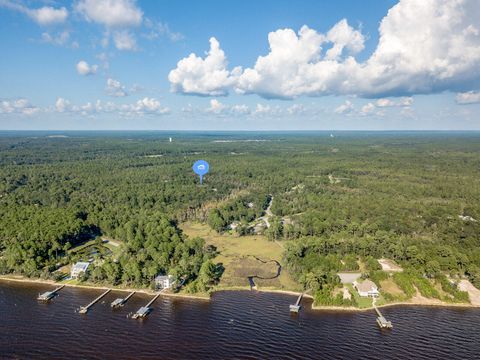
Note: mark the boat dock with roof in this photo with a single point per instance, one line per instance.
(145, 310)
(121, 301)
(48, 295)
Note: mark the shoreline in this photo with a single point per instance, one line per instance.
(21, 279)
(426, 302)
(433, 304)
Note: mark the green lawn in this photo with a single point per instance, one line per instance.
(235, 253)
(363, 302)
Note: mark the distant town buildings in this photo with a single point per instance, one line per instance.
(163, 282)
(366, 288)
(78, 269)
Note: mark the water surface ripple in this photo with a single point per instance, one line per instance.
(234, 325)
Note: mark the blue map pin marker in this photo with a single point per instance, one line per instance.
(200, 168)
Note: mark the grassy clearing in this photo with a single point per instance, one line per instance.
(82, 247)
(92, 247)
(116, 250)
(236, 254)
(389, 286)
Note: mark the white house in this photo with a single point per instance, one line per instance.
(164, 281)
(78, 269)
(366, 288)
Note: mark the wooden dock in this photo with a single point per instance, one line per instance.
(296, 307)
(121, 301)
(145, 310)
(381, 321)
(84, 309)
(48, 295)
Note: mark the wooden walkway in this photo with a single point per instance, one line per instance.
(84, 309)
(381, 321)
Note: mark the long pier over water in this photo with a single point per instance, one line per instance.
(296, 307)
(84, 309)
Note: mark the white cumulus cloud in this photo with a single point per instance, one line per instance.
(62, 105)
(345, 108)
(45, 15)
(145, 106)
(111, 13)
(158, 29)
(368, 109)
(149, 105)
(48, 15)
(83, 68)
(240, 109)
(117, 16)
(384, 102)
(115, 88)
(17, 106)
(261, 109)
(296, 109)
(426, 46)
(60, 39)
(124, 40)
(216, 106)
(470, 97)
(344, 36)
(208, 76)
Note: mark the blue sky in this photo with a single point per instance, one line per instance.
(256, 65)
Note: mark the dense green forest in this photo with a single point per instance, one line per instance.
(337, 202)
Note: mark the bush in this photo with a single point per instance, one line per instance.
(405, 282)
(426, 288)
(324, 297)
(372, 264)
(452, 289)
(377, 276)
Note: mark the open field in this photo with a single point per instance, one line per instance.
(237, 255)
(389, 265)
(390, 287)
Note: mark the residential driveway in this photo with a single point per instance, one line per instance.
(348, 278)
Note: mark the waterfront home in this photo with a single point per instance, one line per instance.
(78, 269)
(366, 288)
(163, 282)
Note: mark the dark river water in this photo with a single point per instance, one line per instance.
(233, 325)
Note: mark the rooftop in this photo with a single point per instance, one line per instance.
(366, 285)
(163, 277)
(81, 266)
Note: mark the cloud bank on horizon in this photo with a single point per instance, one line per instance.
(424, 47)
